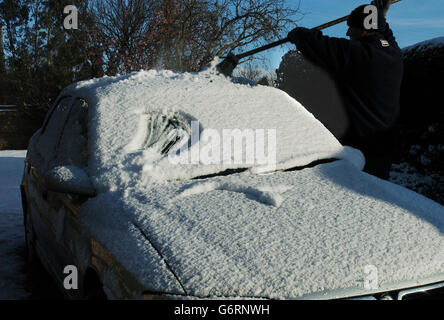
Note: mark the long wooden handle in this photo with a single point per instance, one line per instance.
(285, 40)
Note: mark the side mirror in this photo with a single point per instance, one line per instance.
(69, 179)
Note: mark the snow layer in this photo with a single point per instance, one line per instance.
(122, 108)
(12, 277)
(284, 234)
(11, 171)
(268, 195)
(332, 222)
(223, 237)
(74, 179)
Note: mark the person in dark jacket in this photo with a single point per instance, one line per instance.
(368, 69)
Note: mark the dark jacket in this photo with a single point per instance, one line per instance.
(369, 74)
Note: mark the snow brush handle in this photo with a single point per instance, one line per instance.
(285, 40)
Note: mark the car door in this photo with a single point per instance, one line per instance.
(63, 142)
(71, 151)
(41, 151)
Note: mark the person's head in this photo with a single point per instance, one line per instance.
(357, 26)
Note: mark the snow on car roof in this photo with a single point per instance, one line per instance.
(121, 108)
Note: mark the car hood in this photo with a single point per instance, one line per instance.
(319, 232)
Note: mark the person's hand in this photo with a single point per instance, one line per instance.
(293, 35)
(383, 5)
(227, 66)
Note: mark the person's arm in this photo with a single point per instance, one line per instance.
(384, 5)
(388, 34)
(334, 53)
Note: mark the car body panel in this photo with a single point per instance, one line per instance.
(62, 238)
(249, 248)
(70, 243)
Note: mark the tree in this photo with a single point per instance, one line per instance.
(243, 23)
(13, 14)
(207, 29)
(260, 76)
(183, 35)
(2, 52)
(42, 56)
(124, 32)
(122, 36)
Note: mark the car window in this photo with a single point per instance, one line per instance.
(164, 131)
(51, 131)
(72, 148)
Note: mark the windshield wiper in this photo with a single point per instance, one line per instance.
(239, 170)
(222, 173)
(311, 164)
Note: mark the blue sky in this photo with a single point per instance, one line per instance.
(412, 21)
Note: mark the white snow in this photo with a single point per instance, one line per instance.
(228, 236)
(124, 108)
(266, 194)
(284, 234)
(12, 277)
(11, 171)
(280, 234)
(74, 179)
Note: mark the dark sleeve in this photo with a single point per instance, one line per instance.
(333, 53)
(388, 33)
(382, 6)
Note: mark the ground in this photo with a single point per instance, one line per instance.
(17, 279)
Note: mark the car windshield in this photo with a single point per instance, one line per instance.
(163, 126)
(165, 131)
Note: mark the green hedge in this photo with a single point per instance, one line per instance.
(18, 126)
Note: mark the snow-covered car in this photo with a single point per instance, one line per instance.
(123, 182)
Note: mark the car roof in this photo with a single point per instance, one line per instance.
(119, 107)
